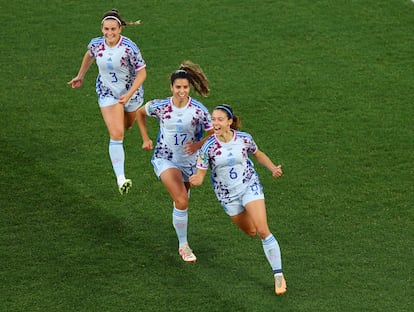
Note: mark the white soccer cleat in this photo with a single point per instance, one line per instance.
(186, 253)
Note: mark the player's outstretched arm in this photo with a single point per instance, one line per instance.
(265, 161)
(87, 61)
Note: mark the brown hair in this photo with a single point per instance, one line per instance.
(235, 125)
(114, 15)
(194, 74)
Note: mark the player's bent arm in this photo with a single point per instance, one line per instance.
(139, 80)
(200, 143)
(142, 125)
(198, 178)
(265, 161)
(192, 147)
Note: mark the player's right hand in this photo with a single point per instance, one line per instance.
(76, 82)
(147, 145)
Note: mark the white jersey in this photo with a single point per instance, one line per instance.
(231, 169)
(177, 127)
(118, 68)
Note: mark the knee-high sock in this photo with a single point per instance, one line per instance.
(180, 223)
(272, 252)
(117, 155)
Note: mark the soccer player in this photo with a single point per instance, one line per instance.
(182, 120)
(236, 183)
(119, 85)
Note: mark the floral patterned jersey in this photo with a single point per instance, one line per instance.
(118, 68)
(178, 126)
(231, 169)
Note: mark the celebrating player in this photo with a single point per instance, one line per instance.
(119, 85)
(236, 183)
(182, 121)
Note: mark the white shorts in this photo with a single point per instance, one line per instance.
(161, 164)
(132, 105)
(253, 191)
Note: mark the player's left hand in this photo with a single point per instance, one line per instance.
(195, 180)
(190, 148)
(277, 171)
(123, 99)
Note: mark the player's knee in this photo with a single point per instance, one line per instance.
(117, 135)
(181, 202)
(251, 232)
(263, 233)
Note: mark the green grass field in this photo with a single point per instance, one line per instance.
(326, 89)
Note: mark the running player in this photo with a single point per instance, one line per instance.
(236, 183)
(182, 120)
(119, 85)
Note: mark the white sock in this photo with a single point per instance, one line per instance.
(121, 179)
(180, 223)
(272, 252)
(117, 156)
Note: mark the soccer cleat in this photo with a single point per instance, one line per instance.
(187, 254)
(280, 284)
(125, 187)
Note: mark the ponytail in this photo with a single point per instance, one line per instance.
(114, 15)
(194, 74)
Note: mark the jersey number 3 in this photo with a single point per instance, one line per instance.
(114, 77)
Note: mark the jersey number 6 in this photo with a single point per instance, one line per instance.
(233, 174)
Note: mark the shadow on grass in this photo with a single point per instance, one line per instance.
(66, 248)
